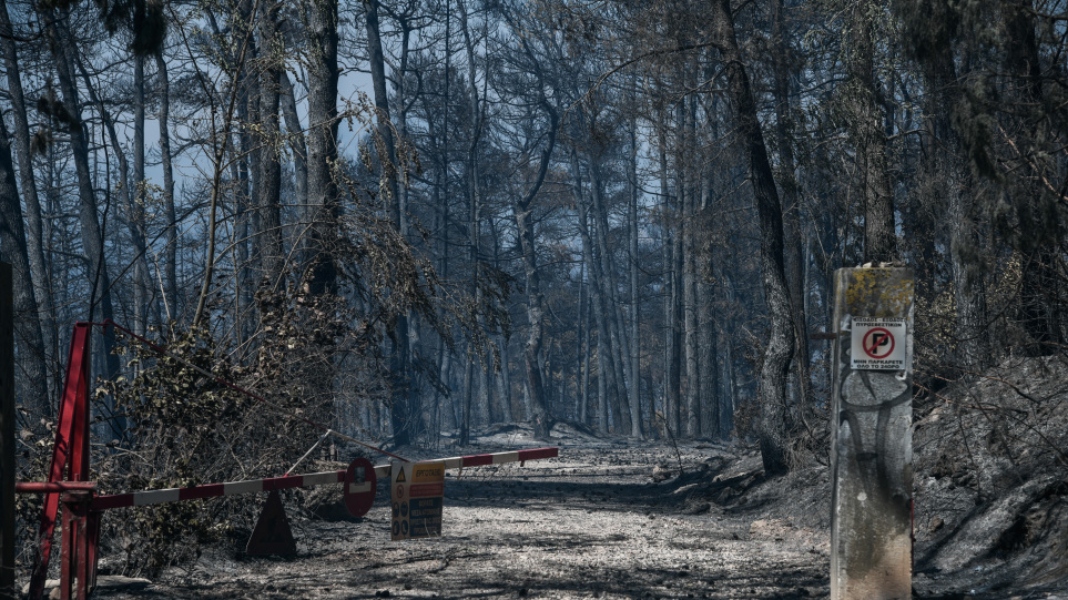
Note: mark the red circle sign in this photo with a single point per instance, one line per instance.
(361, 484)
(878, 343)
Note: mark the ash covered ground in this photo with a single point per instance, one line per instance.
(607, 519)
(616, 518)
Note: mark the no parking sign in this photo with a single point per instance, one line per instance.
(878, 344)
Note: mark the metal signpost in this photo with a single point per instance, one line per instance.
(871, 525)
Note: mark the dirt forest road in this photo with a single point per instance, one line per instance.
(604, 520)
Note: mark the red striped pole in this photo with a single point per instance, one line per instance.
(215, 490)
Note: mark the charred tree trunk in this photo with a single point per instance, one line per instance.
(793, 239)
(61, 44)
(473, 189)
(604, 364)
(707, 374)
(323, 198)
(128, 190)
(634, 315)
(672, 307)
(608, 281)
(1042, 295)
(38, 276)
(27, 325)
(170, 252)
(267, 219)
(869, 137)
(583, 358)
(608, 375)
(688, 178)
(521, 210)
(295, 139)
(245, 172)
(136, 196)
(771, 386)
(951, 174)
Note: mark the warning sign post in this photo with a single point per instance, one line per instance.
(418, 491)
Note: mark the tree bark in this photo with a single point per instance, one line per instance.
(267, 221)
(793, 239)
(170, 252)
(707, 370)
(521, 211)
(128, 189)
(245, 171)
(297, 145)
(1042, 310)
(607, 374)
(950, 173)
(136, 214)
(323, 198)
(635, 272)
(687, 187)
(407, 413)
(465, 400)
(771, 385)
(473, 180)
(504, 380)
(61, 45)
(39, 275)
(724, 296)
(672, 340)
(32, 380)
(608, 281)
(583, 358)
(869, 136)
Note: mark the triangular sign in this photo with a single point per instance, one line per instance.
(400, 477)
(272, 535)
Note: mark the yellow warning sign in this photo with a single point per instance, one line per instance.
(417, 506)
(429, 472)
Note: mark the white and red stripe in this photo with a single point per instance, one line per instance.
(215, 490)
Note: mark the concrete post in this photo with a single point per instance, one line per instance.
(871, 454)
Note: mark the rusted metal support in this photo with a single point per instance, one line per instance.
(871, 525)
(70, 453)
(77, 570)
(53, 487)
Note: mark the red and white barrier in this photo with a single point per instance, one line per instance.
(81, 517)
(215, 490)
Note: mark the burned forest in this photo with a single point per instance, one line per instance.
(613, 256)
